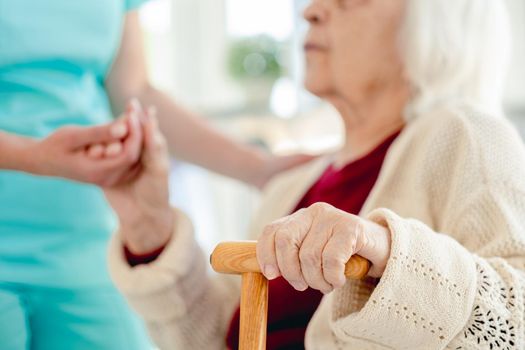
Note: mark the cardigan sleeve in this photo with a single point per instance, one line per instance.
(436, 293)
(183, 305)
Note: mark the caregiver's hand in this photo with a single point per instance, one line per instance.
(311, 247)
(69, 151)
(142, 203)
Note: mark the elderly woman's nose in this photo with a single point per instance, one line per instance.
(315, 13)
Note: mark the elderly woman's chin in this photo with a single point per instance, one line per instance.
(317, 84)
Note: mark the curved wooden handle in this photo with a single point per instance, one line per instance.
(240, 257)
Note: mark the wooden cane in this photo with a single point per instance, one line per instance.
(240, 258)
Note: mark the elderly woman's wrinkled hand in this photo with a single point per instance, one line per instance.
(311, 247)
(142, 203)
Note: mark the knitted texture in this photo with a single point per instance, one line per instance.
(452, 193)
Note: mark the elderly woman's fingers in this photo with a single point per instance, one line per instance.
(133, 143)
(131, 174)
(289, 236)
(118, 158)
(266, 252)
(310, 255)
(311, 247)
(155, 155)
(339, 249)
(149, 130)
(287, 243)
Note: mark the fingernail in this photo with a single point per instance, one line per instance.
(270, 272)
(119, 130)
(300, 286)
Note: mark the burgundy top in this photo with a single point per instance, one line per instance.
(290, 311)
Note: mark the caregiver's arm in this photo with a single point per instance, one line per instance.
(64, 153)
(188, 136)
(13, 152)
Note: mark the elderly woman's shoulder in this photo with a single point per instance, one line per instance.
(468, 124)
(474, 136)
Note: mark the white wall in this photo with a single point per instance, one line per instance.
(515, 98)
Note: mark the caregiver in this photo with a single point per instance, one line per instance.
(80, 62)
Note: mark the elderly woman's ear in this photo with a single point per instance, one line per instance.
(142, 203)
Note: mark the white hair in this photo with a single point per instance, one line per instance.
(456, 50)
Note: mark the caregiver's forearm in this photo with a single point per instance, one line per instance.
(14, 153)
(191, 138)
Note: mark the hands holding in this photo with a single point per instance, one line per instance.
(311, 247)
(142, 202)
(128, 159)
(101, 155)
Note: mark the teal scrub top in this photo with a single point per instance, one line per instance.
(54, 57)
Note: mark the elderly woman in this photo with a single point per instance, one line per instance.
(429, 186)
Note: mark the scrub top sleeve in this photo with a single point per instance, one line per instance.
(133, 4)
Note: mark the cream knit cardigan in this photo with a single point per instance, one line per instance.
(452, 192)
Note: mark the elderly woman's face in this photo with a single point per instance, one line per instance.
(351, 47)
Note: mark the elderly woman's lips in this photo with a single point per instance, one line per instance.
(313, 47)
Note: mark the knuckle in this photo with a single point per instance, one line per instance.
(271, 227)
(322, 210)
(318, 207)
(300, 212)
(267, 231)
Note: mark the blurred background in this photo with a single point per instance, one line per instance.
(239, 64)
